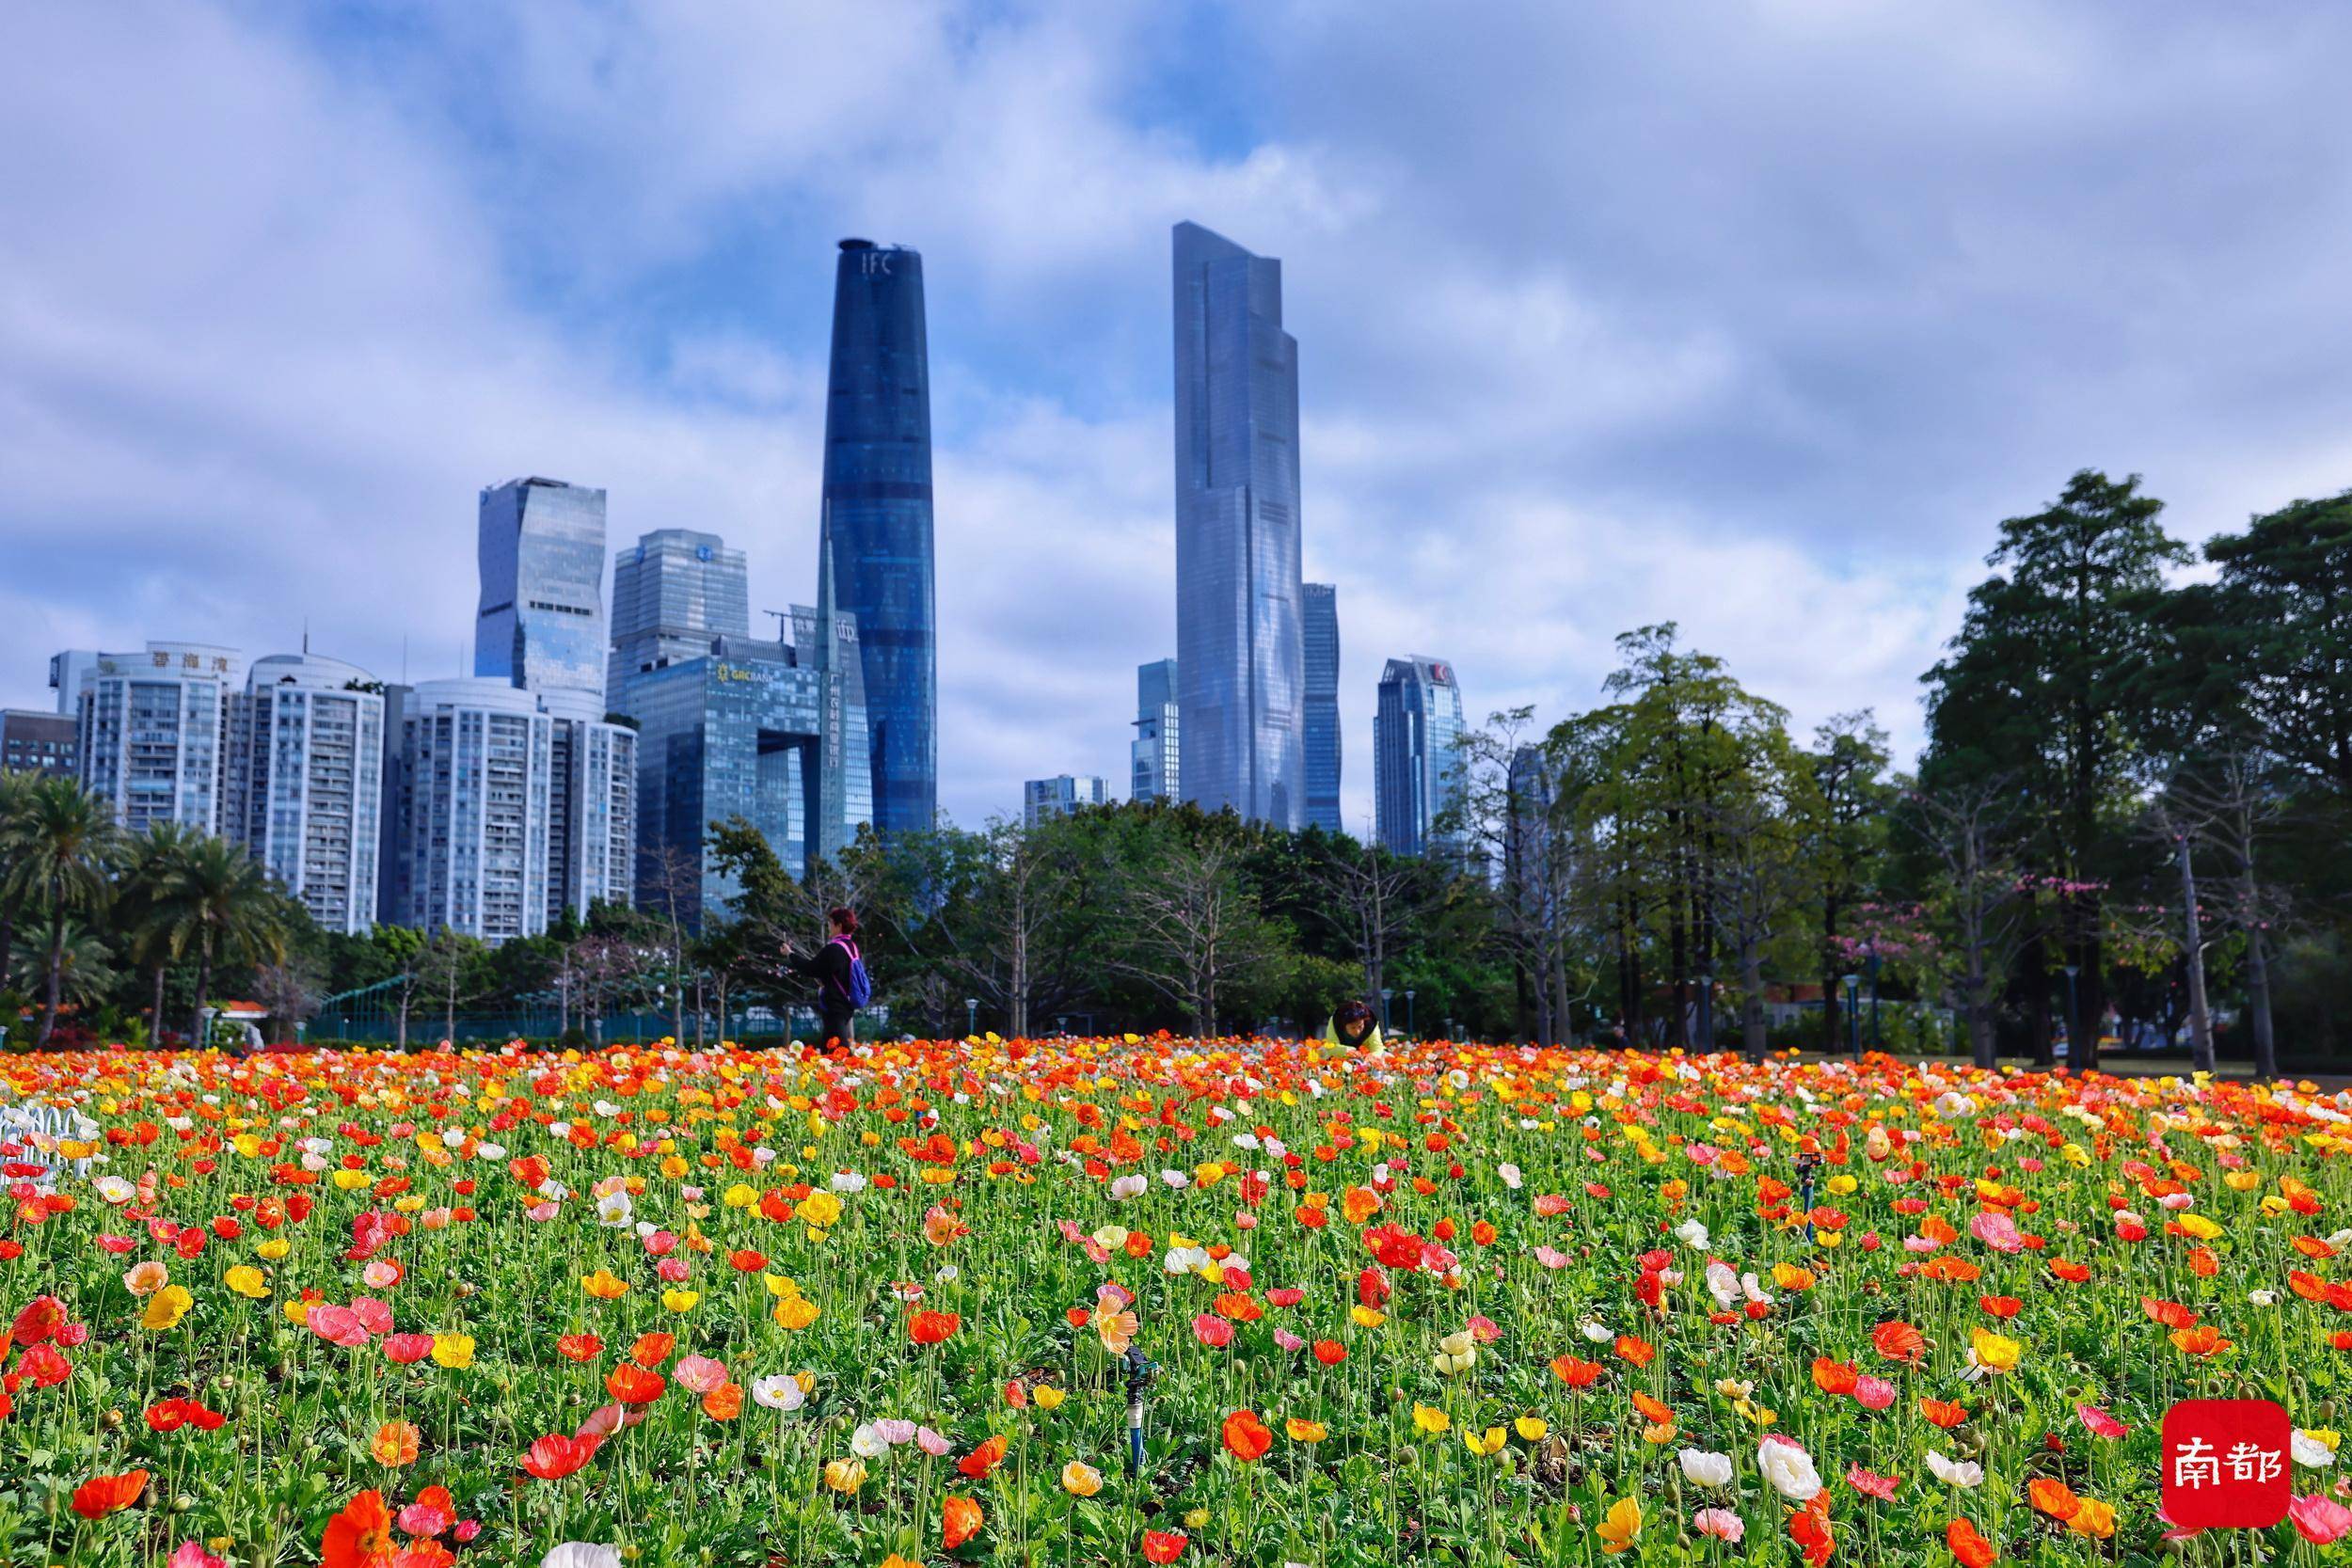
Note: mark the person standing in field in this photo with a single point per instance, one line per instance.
(842, 984)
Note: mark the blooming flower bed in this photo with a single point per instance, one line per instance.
(1455, 1303)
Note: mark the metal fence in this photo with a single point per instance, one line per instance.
(370, 1016)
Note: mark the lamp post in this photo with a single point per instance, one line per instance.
(1878, 1041)
(1408, 1012)
(1386, 993)
(1854, 1012)
(2073, 1029)
(971, 1015)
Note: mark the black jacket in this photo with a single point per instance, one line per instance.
(829, 966)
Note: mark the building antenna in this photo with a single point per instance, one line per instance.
(404, 658)
(306, 637)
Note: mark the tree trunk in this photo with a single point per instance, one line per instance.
(1751, 1006)
(402, 1024)
(203, 983)
(155, 1011)
(2200, 1022)
(52, 980)
(2258, 1004)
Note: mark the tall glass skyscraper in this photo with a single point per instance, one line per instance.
(1153, 755)
(540, 624)
(1322, 638)
(878, 508)
(675, 592)
(1414, 731)
(1238, 648)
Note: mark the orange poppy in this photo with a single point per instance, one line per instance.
(579, 1347)
(1898, 1341)
(981, 1461)
(396, 1443)
(2202, 1339)
(1652, 1411)
(724, 1402)
(960, 1521)
(1576, 1373)
(1943, 1413)
(1835, 1377)
(651, 1350)
(633, 1385)
(1971, 1549)
(1639, 1352)
(2172, 1314)
(930, 1328)
(2053, 1497)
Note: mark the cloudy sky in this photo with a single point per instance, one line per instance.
(1756, 317)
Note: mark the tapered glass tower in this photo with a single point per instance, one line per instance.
(1241, 697)
(878, 512)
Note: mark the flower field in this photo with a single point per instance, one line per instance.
(1455, 1304)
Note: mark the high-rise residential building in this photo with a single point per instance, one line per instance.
(1153, 756)
(1062, 795)
(476, 774)
(1414, 733)
(772, 733)
(155, 732)
(592, 805)
(877, 507)
(675, 592)
(1321, 637)
(1238, 643)
(307, 788)
(35, 742)
(69, 671)
(392, 839)
(541, 623)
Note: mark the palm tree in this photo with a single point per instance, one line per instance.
(16, 793)
(86, 972)
(143, 905)
(224, 909)
(57, 863)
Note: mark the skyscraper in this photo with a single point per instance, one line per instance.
(1322, 638)
(675, 591)
(878, 508)
(540, 624)
(1238, 650)
(1152, 756)
(156, 729)
(1062, 795)
(1414, 731)
(592, 805)
(308, 794)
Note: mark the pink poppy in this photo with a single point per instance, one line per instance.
(1871, 1484)
(1288, 1341)
(193, 1555)
(1213, 1331)
(406, 1349)
(1873, 1393)
(373, 1315)
(1997, 1231)
(1721, 1523)
(425, 1519)
(118, 1245)
(1111, 1290)
(701, 1373)
(607, 1419)
(1485, 1330)
(662, 1243)
(1286, 1295)
(2100, 1422)
(672, 1270)
(1551, 1258)
(2319, 1520)
(337, 1325)
(932, 1443)
(895, 1430)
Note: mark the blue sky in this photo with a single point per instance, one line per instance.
(1757, 317)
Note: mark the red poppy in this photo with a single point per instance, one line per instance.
(1943, 1413)
(651, 1350)
(930, 1328)
(1835, 1377)
(2000, 1306)
(1246, 1437)
(1164, 1546)
(1576, 1373)
(579, 1347)
(102, 1494)
(1639, 1352)
(1330, 1351)
(2172, 1314)
(981, 1461)
(1897, 1341)
(555, 1456)
(1809, 1529)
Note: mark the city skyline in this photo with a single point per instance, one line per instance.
(1736, 367)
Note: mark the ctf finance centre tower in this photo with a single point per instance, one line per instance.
(1240, 654)
(876, 513)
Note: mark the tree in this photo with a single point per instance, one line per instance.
(1501, 810)
(448, 968)
(145, 877)
(2042, 684)
(1188, 928)
(1979, 893)
(1377, 898)
(1763, 869)
(290, 991)
(2270, 643)
(62, 840)
(224, 910)
(1849, 765)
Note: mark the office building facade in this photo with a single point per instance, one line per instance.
(307, 792)
(877, 510)
(1041, 799)
(1415, 730)
(1238, 636)
(35, 742)
(1320, 635)
(1153, 757)
(476, 775)
(69, 671)
(541, 623)
(675, 592)
(155, 731)
(772, 733)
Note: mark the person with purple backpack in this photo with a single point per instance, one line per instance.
(840, 970)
